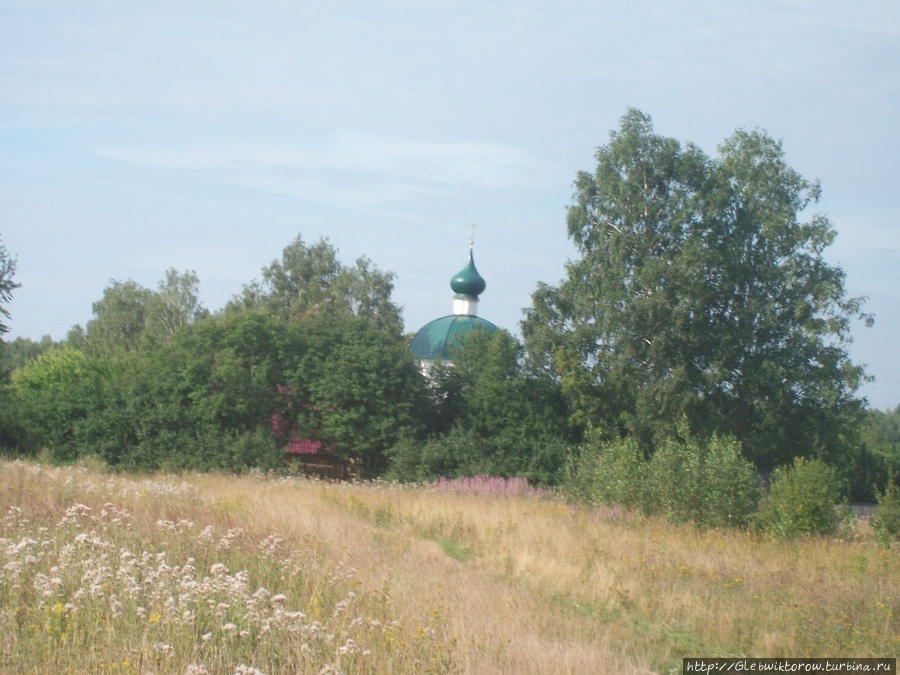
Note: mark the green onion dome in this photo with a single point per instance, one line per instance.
(468, 283)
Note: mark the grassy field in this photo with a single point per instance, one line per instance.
(105, 573)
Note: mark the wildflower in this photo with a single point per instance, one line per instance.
(269, 546)
(226, 541)
(247, 670)
(229, 628)
(207, 534)
(164, 649)
(196, 669)
(349, 647)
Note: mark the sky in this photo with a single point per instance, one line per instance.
(206, 136)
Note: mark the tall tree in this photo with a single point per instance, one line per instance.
(129, 315)
(7, 285)
(701, 291)
(309, 280)
(120, 315)
(175, 304)
(8, 426)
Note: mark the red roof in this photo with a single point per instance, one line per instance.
(306, 446)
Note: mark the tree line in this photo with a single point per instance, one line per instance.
(699, 306)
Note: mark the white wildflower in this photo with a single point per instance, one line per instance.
(243, 669)
(349, 647)
(164, 649)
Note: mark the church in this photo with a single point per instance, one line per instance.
(434, 340)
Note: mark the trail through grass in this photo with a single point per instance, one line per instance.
(222, 574)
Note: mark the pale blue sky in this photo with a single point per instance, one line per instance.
(135, 137)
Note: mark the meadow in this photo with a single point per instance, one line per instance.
(209, 573)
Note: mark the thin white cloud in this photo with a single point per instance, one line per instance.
(364, 169)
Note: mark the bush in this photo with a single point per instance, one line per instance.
(886, 522)
(705, 482)
(802, 500)
(708, 483)
(608, 473)
(464, 452)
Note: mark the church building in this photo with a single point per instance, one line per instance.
(433, 341)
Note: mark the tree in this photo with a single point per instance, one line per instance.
(175, 304)
(7, 285)
(119, 316)
(50, 394)
(9, 428)
(700, 291)
(310, 280)
(20, 351)
(129, 315)
(491, 417)
(362, 386)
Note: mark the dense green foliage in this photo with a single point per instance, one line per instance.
(866, 469)
(699, 292)
(489, 416)
(886, 522)
(155, 381)
(708, 483)
(802, 500)
(310, 280)
(16, 353)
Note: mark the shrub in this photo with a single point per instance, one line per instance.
(709, 483)
(706, 482)
(802, 500)
(886, 522)
(464, 452)
(608, 473)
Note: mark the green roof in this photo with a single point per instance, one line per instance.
(468, 283)
(434, 338)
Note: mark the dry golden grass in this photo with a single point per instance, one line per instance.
(407, 580)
